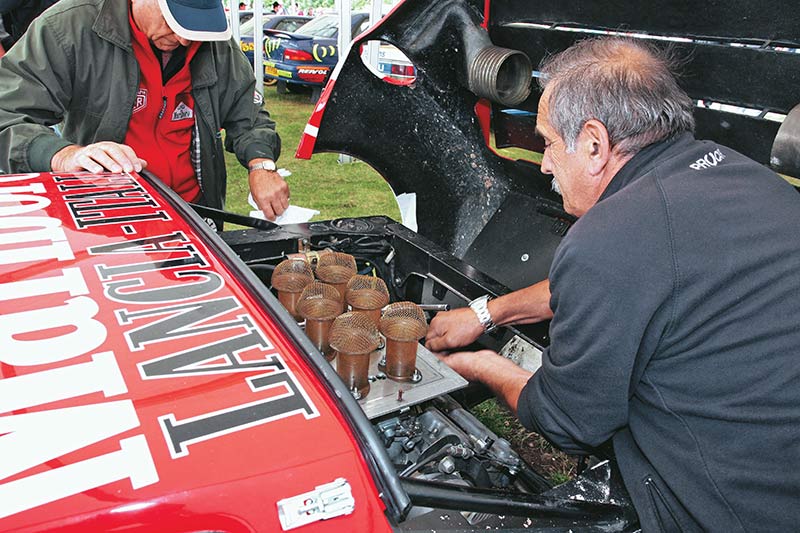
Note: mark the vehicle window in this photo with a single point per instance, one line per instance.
(361, 27)
(324, 26)
(246, 29)
(289, 25)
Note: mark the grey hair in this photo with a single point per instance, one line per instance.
(627, 85)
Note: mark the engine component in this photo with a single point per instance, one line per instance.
(446, 443)
(354, 337)
(336, 269)
(319, 305)
(289, 279)
(367, 294)
(403, 324)
(500, 74)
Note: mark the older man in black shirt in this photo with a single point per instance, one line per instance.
(674, 301)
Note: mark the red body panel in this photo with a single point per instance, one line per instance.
(142, 387)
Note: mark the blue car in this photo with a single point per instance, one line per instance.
(274, 26)
(307, 56)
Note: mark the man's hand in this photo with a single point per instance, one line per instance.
(270, 192)
(501, 375)
(453, 329)
(467, 364)
(460, 327)
(105, 155)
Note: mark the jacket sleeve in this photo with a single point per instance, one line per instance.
(611, 290)
(8, 5)
(36, 82)
(249, 130)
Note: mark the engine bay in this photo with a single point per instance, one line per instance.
(444, 456)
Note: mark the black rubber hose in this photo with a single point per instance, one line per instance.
(533, 479)
(460, 498)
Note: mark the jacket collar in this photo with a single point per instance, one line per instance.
(112, 25)
(647, 158)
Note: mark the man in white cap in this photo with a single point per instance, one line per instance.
(144, 83)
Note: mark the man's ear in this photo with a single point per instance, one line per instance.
(596, 145)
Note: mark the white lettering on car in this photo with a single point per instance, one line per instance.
(35, 334)
(101, 374)
(192, 312)
(132, 461)
(32, 229)
(105, 200)
(74, 332)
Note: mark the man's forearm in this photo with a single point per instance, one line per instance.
(504, 378)
(524, 306)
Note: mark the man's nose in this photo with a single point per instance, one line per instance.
(547, 164)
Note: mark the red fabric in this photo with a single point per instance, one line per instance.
(160, 129)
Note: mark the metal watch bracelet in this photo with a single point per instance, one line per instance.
(268, 165)
(479, 305)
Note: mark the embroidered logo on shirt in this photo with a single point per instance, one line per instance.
(711, 159)
(182, 112)
(258, 99)
(141, 100)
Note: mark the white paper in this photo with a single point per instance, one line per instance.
(294, 214)
(408, 209)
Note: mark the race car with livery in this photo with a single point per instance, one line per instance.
(275, 26)
(307, 56)
(151, 379)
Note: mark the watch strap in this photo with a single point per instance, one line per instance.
(481, 308)
(263, 165)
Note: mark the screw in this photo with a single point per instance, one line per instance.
(525, 257)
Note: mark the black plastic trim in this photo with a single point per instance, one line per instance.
(461, 498)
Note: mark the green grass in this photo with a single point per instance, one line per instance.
(554, 464)
(321, 183)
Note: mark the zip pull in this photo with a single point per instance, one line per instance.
(163, 107)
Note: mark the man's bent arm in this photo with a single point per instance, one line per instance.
(35, 82)
(523, 306)
(460, 327)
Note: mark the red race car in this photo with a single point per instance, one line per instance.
(158, 376)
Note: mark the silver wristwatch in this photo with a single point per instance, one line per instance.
(269, 164)
(479, 305)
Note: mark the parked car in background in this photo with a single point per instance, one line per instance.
(273, 24)
(394, 64)
(308, 56)
(244, 15)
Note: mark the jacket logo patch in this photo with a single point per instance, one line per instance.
(141, 100)
(711, 159)
(182, 112)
